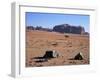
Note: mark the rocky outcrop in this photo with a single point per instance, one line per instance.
(66, 28)
(38, 28)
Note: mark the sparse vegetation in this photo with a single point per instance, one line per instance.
(54, 43)
(66, 36)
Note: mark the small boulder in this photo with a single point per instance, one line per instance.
(51, 54)
(79, 56)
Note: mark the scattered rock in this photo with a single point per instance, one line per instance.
(72, 62)
(79, 56)
(51, 54)
(30, 61)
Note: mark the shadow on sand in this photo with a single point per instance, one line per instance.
(40, 59)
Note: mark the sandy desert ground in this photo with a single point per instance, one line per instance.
(38, 42)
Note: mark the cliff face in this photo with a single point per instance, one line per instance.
(66, 28)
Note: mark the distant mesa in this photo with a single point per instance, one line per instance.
(62, 28)
(66, 28)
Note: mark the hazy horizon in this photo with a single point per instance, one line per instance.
(49, 20)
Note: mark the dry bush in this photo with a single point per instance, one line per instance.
(66, 36)
(54, 43)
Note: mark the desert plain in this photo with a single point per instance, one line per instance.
(67, 45)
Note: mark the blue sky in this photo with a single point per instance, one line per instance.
(48, 20)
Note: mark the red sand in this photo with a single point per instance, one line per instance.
(37, 42)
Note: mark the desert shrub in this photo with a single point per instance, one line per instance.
(70, 46)
(54, 43)
(66, 36)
